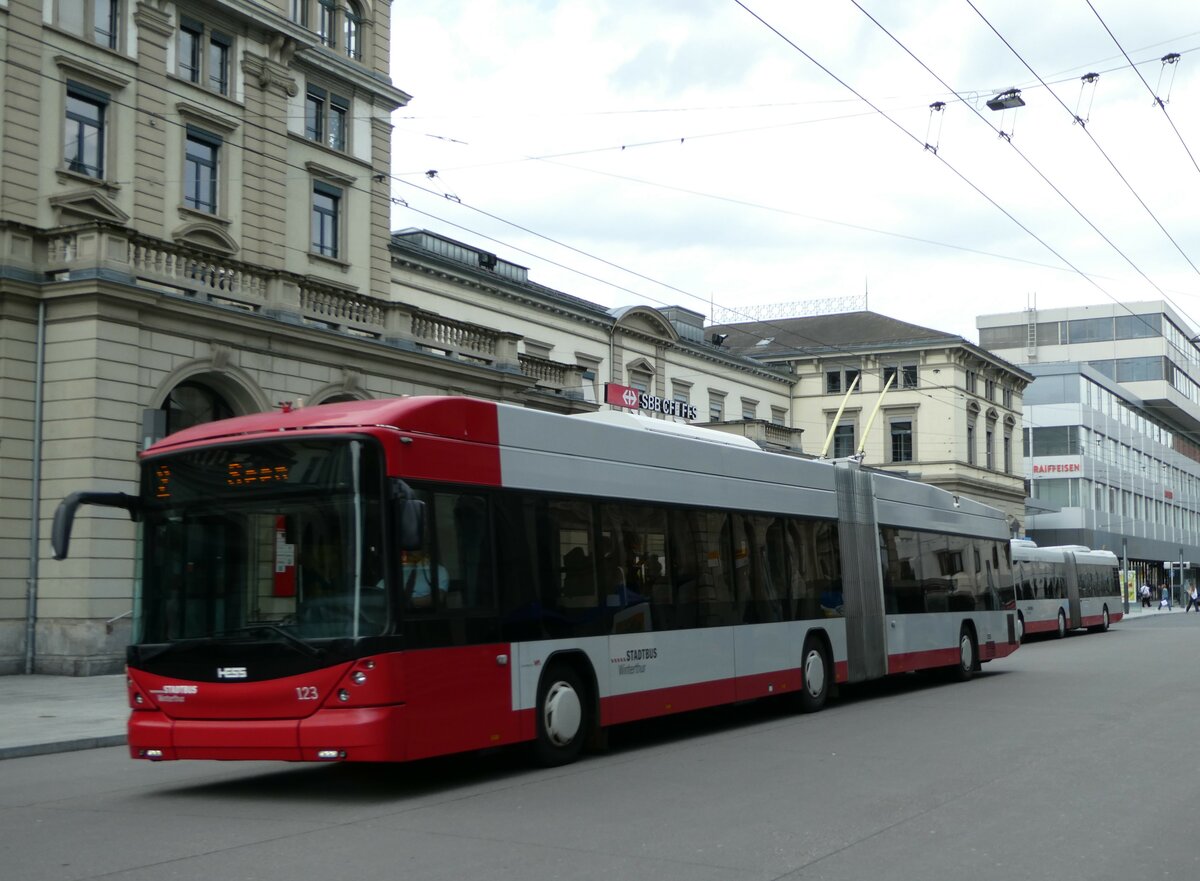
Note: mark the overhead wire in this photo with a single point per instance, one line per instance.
(1162, 105)
(1087, 132)
(1018, 150)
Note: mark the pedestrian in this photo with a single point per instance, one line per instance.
(1145, 595)
(1192, 602)
(1165, 602)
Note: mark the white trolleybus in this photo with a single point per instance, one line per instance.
(1064, 588)
(396, 579)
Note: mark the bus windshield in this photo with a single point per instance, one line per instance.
(275, 540)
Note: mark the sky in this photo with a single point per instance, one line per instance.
(731, 156)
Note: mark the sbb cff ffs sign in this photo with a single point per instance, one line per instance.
(632, 399)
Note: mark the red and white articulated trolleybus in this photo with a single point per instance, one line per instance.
(1065, 588)
(395, 579)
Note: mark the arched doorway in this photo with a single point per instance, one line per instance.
(194, 403)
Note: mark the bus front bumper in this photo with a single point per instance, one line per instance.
(366, 734)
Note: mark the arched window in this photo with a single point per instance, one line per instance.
(193, 403)
(352, 36)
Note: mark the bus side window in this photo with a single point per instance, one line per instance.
(467, 550)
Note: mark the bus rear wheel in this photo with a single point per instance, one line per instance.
(563, 716)
(1020, 628)
(968, 653)
(814, 690)
(1062, 625)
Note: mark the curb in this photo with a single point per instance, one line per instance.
(61, 746)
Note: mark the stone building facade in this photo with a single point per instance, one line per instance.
(194, 223)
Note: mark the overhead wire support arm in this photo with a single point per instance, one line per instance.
(937, 107)
(1088, 79)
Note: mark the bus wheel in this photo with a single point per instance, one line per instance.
(1062, 625)
(967, 655)
(1104, 621)
(1020, 628)
(815, 688)
(562, 716)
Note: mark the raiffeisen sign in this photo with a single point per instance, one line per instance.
(1044, 468)
(632, 399)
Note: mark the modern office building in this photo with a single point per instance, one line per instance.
(1112, 429)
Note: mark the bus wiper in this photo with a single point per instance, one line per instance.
(291, 638)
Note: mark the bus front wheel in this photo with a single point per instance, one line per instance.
(563, 716)
(814, 690)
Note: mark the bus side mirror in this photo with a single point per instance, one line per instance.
(410, 517)
(64, 516)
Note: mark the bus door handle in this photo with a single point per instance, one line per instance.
(501, 660)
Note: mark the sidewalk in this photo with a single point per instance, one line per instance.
(1138, 610)
(55, 714)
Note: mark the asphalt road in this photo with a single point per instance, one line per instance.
(1073, 759)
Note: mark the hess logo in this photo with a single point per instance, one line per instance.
(231, 672)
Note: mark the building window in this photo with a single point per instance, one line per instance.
(907, 376)
(843, 441)
(191, 36)
(326, 21)
(218, 63)
(204, 55)
(902, 440)
(83, 136)
(300, 12)
(94, 20)
(639, 380)
(989, 389)
(325, 118)
(778, 416)
(749, 409)
(989, 447)
(681, 392)
(104, 22)
(716, 407)
(353, 31)
(200, 171)
(970, 441)
(841, 380)
(970, 382)
(326, 219)
(1008, 397)
(1008, 462)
